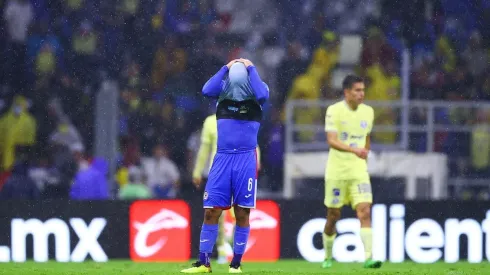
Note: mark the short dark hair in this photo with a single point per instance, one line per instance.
(349, 80)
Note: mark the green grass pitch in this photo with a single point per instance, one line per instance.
(281, 267)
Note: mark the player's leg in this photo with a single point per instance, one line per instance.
(244, 188)
(217, 196)
(362, 198)
(209, 233)
(221, 241)
(240, 237)
(335, 193)
(231, 213)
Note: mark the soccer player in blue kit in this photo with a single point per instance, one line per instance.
(232, 180)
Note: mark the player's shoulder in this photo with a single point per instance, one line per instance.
(336, 106)
(210, 122)
(210, 119)
(366, 108)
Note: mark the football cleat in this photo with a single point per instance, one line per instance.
(370, 263)
(197, 267)
(235, 269)
(327, 263)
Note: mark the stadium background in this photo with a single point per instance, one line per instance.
(89, 90)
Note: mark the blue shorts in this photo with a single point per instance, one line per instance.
(232, 180)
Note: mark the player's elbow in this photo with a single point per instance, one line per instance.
(206, 91)
(330, 140)
(209, 90)
(263, 92)
(262, 99)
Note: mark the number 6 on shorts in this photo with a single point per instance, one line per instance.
(250, 184)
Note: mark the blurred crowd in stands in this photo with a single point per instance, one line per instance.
(54, 55)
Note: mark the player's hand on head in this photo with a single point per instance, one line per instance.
(232, 62)
(247, 62)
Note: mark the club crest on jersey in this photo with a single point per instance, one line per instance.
(205, 196)
(363, 124)
(344, 136)
(336, 192)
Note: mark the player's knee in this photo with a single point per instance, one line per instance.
(333, 215)
(364, 212)
(242, 216)
(211, 216)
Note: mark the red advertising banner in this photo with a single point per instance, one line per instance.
(159, 231)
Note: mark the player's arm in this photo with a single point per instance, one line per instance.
(203, 153)
(259, 165)
(213, 86)
(259, 87)
(331, 129)
(334, 142)
(368, 143)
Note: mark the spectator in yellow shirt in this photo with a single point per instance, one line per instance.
(384, 84)
(17, 128)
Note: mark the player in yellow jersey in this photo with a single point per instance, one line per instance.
(207, 150)
(348, 124)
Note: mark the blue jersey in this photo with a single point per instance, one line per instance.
(239, 109)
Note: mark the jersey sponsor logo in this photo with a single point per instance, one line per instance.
(243, 109)
(159, 231)
(357, 137)
(364, 124)
(248, 109)
(264, 240)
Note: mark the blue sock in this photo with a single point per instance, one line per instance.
(239, 244)
(209, 233)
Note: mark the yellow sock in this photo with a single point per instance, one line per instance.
(367, 240)
(328, 245)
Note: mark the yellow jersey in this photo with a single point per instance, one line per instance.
(352, 128)
(209, 144)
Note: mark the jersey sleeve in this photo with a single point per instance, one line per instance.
(331, 120)
(259, 87)
(213, 86)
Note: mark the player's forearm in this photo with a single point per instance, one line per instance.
(368, 143)
(201, 158)
(212, 88)
(261, 92)
(338, 145)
